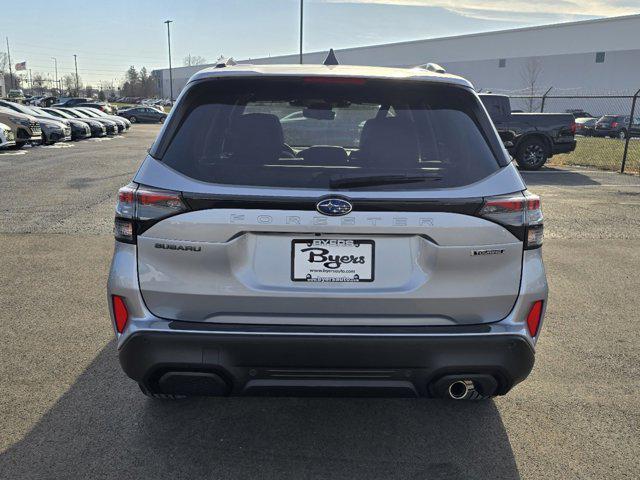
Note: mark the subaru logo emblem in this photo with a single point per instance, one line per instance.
(334, 207)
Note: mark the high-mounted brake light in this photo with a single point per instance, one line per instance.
(534, 318)
(336, 80)
(139, 207)
(120, 313)
(520, 213)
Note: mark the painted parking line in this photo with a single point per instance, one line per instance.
(11, 153)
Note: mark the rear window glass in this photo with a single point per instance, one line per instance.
(326, 133)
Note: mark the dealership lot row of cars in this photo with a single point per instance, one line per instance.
(22, 125)
(614, 126)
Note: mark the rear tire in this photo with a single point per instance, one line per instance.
(159, 396)
(133, 119)
(622, 134)
(532, 154)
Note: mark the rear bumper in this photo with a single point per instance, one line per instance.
(283, 361)
(247, 359)
(564, 147)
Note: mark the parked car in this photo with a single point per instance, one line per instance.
(46, 101)
(71, 102)
(7, 138)
(120, 122)
(26, 128)
(53, 130)
(96, 127)
(143, 114)
(102, 106)
(531, 138)
(244, 262)
(116, 118)
(578, 113)
(585, 126)
(614, 126)
(16, 94)
(79, 129)
(110, 125)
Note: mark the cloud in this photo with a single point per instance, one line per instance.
(518, 9)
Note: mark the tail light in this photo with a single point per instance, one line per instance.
(573, 128)
(520, 213)
(534, 317)
(140, 207)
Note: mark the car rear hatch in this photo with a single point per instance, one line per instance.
(355, 245)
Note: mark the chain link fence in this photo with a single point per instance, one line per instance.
(609, 140)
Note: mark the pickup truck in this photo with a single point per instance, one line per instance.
(530, 138)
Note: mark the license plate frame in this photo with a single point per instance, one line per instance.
(347, 248)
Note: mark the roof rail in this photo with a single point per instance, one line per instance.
(331, 58)
(223, 62)
(432, 67)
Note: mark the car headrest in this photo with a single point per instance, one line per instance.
(256, 137)
(325, 155)
(391, 141)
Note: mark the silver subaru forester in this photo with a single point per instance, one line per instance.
(327, 230)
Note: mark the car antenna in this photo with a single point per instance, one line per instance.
(331, 59)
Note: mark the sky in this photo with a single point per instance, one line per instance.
(108, 39)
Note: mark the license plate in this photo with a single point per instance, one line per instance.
(332, 260)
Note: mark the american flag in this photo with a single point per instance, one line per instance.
(21, 66)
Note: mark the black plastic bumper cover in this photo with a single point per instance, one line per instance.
(261, 364)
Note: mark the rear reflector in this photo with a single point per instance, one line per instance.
(534, 317)
(120, 313)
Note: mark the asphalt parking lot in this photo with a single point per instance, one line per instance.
(68, 412)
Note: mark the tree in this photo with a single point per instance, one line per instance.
(10, 80)
(88, 91)
(193, 60)
(101, 96)
(69, 84)
(138, 84)
(37, 83)
(530, 74)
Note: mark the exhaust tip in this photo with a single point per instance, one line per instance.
(461, 389)
(464, 386)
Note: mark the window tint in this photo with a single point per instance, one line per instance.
(304, 133)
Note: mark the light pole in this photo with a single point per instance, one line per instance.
(75, 59)
(168, 22)
(9, 58)
(301, 17)
(55, 65)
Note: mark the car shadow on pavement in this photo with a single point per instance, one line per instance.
(103, 427)
(558, 177)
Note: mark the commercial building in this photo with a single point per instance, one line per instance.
(591, 56)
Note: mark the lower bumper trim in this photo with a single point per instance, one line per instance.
(320, 365)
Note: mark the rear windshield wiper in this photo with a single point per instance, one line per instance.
(372, 180)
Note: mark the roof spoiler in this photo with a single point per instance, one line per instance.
(432, 67)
